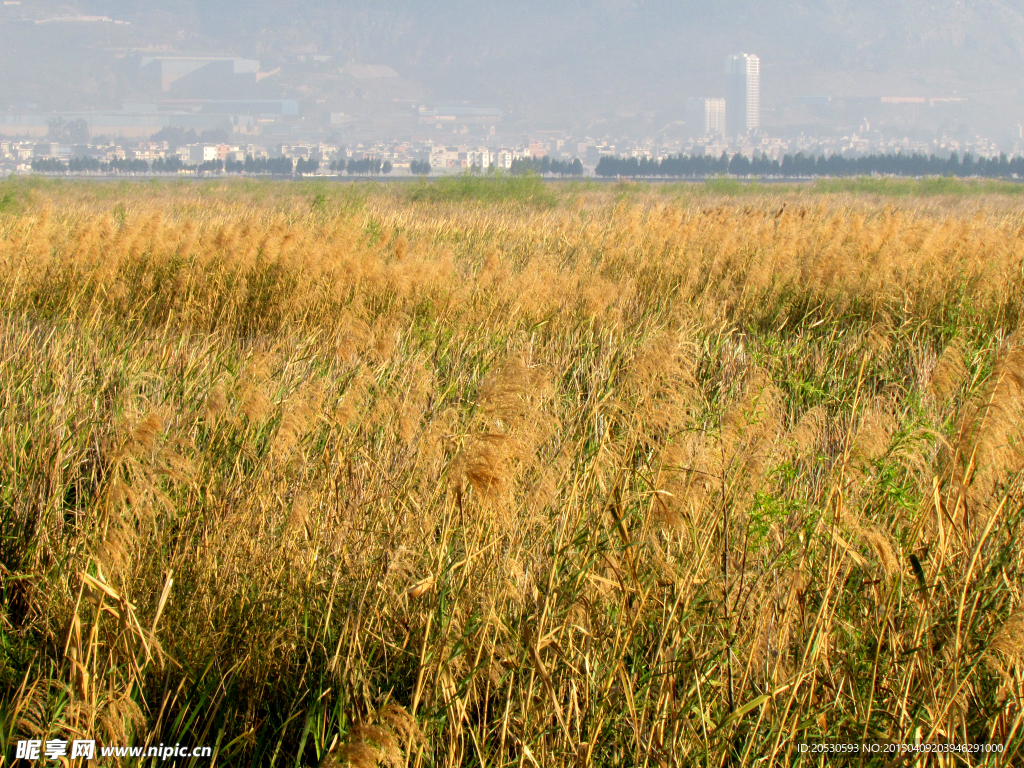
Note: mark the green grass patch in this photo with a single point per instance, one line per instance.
(728, 186)
(927, 187)
(490, 188)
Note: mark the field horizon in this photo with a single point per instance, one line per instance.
(496, 472)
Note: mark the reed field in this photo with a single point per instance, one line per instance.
(499, 473)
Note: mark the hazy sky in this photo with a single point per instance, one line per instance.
(555, 63)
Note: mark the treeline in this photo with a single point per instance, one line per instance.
(545, 165)
(169, 165)
(89, 164)
(800, 165)
(367, 166)
(275, 166)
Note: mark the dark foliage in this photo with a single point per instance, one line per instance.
(545, 165)
(809, 166)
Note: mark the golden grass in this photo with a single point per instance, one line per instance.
(319, 479)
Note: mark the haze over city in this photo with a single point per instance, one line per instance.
(398, 80)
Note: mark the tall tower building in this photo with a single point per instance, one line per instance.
(705, 117)
(743, 93)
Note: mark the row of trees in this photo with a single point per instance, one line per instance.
(85, 164)
(168, 165)
(545, 165)
(276, 166)
(367, 166)
(800, 165)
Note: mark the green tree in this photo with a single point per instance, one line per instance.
(68, 132)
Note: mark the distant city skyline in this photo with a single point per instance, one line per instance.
(842, 74)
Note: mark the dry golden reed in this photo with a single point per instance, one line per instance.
(380, 477)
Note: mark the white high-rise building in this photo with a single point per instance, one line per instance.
(706, 116)
(743, 93)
